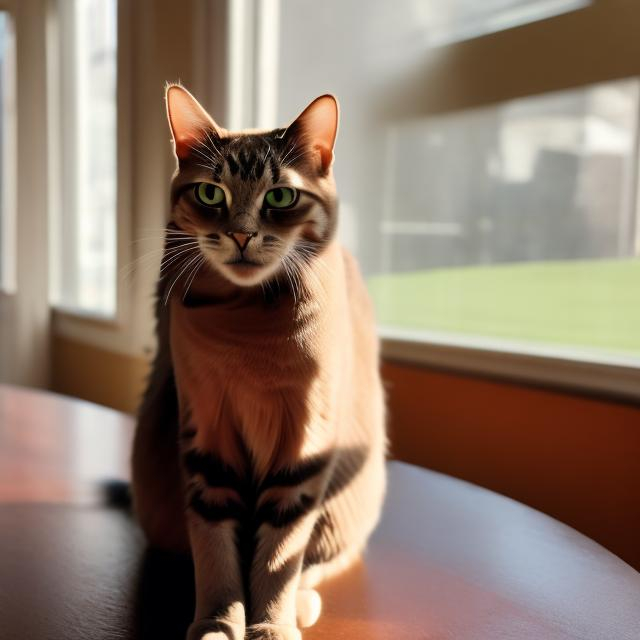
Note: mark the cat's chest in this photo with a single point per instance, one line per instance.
(247, 389)
(230, 421)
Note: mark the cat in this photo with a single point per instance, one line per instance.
(260, 445)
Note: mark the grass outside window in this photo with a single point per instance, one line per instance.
(592, 303)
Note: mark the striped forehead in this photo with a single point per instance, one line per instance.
(249, 158)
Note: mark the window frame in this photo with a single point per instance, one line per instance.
(113, 332)
(549, 367)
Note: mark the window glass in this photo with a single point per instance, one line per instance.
(84, 227)
(516, 221)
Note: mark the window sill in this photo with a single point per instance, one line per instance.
(110, 333)
(96, 318)
(559, 368)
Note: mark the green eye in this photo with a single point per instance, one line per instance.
(281, 197)
(210, 195)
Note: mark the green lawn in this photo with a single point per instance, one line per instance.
(593, 303)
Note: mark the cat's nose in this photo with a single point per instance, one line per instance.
(241, 239)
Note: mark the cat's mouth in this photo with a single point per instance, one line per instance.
(243, 267)
(245, 272)
(243, 263)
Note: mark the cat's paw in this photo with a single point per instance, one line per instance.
(212, 629)
(308, 607)
(273, 632)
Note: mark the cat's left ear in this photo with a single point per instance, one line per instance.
(188, 120)
(317, 125)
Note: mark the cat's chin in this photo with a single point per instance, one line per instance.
(245, 274)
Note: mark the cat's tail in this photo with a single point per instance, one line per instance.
(116, 493)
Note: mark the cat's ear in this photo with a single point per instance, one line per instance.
(317, 125)
(188, 120)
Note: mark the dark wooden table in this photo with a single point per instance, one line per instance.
(449, 561)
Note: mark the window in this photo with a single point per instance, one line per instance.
(513, 224)
(7, 154)
(83, 225)
(516, 221)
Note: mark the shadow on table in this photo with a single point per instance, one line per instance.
(165, 598)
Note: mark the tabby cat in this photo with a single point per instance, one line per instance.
(260, 443)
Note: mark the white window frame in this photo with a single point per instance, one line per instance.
(112, 332)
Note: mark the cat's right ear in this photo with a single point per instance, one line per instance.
(188, 120)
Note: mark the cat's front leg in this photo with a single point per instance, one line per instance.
(220, 610)
(285, 516)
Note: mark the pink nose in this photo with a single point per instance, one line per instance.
(241, 239)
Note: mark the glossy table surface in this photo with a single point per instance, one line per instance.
(449, 560)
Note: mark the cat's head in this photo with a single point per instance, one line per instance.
(252, 204)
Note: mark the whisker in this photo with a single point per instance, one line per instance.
(212, 145)
(267, 284)
(177, 257)
(298, 276)
(266, 155)
(208, 167)
(176, 244)
(163, 236)
(180, 248)
(291, 148)
(125, 274)
(296, 157)
(286, 270)
(192, 276)
(202, 152)
(178, 264)
(184, 268)
(179, 232)
(307, 273)
(129, 268)
(311, 251)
